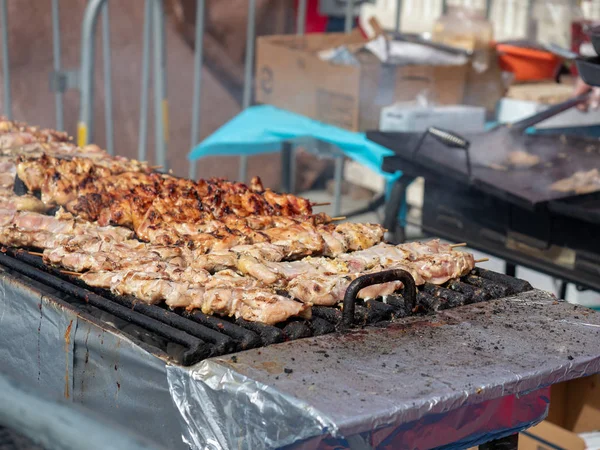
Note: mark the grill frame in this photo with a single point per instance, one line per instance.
(207, 336)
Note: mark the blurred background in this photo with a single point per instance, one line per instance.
(31, 57)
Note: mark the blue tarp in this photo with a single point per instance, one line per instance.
(263, 129)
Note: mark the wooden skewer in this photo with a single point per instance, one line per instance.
(321, 204)
(36, 253)
(73, 274)
(481, 260)
(336, 219)
(155, 167)
(462, 244)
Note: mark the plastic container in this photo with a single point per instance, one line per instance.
(466, 27)
(552, 19)
(528, 64)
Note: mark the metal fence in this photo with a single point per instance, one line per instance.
(82, 79)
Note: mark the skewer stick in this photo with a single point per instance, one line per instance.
(155, 167)
(462, 244)
(336, 219)
(481, 260)
(321, 204)
(36, 253)
(73, 274)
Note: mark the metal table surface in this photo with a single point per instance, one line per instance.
(394, 382)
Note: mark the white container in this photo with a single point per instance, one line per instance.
(511, 110)
(410, 117)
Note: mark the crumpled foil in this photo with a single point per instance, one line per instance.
(234, 411)
(223, 409)
(463, 377)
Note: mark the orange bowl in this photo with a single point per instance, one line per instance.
(528, 64)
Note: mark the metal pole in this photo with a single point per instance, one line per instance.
(106, 63)
(161, 107)
(339, 172)
(6, 60)
(290, 170)
(301, 18)
(58, 96)
(143, 132)
(349, 16)
(488, 8)
(248, 66)
(85, 130)
(196, 97)
(286, 166)
(398, 15)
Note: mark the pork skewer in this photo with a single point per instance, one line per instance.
(319, 281)
(226, 294)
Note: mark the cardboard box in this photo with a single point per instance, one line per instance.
(485, 88)
(290, 75)
(574, 409)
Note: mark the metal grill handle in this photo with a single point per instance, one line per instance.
(409, 291)
(449, 139)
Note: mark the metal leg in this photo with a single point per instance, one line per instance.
(56, 63)
(143, 131)
(510, 269)
(6, 60)
(198, 56)
(356, 442)
(85, 129)
(339, 172)
(161, 107)
(286, 166)
(562, 291)
(248, 67)
(488, 8)
(106, 63)
(349, 16)
(301, 18)
(392, 209)
(507, 443)
(398, 15)
(293, 171)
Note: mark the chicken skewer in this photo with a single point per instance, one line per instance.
(62, 180)
(330, 291)
(226, 293)
(319, 281)
(278, 243)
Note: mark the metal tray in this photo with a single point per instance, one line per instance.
(525, 187)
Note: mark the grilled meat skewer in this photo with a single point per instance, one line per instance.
(225, 294)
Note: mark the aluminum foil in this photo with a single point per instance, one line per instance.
(454, 380)
(234, 411)
(60, 425)
(68, 354)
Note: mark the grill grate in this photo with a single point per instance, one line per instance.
(206, 336)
